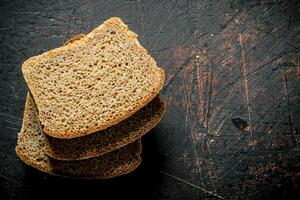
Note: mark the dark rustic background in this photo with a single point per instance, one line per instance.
(232, 88)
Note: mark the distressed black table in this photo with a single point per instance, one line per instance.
(232, 88)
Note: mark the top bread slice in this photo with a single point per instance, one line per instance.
(92, 83)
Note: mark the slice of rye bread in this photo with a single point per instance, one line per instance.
(30, 149)
(107, 140)
(92, 83)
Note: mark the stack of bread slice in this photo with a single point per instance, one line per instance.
(89, 103)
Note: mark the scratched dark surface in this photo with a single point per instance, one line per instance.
(232, 89)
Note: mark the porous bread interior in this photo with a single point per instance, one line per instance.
(107, 140)
(31, 142)
(92, 83)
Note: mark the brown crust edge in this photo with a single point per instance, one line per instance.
(73, 39)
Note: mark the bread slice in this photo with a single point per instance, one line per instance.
(107, 140)
(30, 149)
(92, 83)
